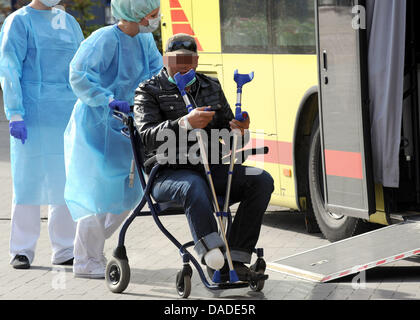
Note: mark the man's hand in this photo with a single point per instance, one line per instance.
(199, 119)
(240, 125)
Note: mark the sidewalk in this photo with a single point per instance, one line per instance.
(154, 263)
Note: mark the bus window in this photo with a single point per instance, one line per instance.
(244, 26)
(294, 27)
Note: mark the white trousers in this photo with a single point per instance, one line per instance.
(89, 242)
(26, 228)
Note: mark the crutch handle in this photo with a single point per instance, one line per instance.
(123, 117)
(241, 115)
(243, 155)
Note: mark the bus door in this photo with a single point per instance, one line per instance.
(344, 114)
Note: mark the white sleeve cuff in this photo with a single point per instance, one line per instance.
(16, 117)
(185, 124)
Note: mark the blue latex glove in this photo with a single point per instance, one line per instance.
(121, 106)
(18, 130)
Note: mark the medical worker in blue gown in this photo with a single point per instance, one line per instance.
(37, 43)
(104, 74)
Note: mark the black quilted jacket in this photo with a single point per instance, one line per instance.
(159, 106)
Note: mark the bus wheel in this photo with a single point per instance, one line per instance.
(334, 227)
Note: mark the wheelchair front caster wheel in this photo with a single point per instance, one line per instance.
(257, 286)
(117, 275)
(183, 282)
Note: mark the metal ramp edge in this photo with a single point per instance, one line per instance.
(313, 265)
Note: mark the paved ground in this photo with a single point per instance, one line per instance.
(154, 263)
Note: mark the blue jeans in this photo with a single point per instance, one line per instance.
(190, 189)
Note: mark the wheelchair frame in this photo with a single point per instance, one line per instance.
(117, 272)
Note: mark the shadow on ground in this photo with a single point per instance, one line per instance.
(292, 221)
(163, 282)
(387, 274)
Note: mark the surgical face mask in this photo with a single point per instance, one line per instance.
(153, 25)
(50, 3)
(172, 80)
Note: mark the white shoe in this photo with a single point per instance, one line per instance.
(104, 260)
(90, 270)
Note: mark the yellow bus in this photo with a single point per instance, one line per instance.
(278, 39)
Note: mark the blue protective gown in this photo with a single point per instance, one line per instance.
(109, 64)
(36, 47)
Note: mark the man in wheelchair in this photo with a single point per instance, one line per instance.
(162, 119)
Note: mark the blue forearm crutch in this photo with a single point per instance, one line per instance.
(241, 80)
(182, 81)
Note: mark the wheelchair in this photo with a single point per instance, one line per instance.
(117, 272)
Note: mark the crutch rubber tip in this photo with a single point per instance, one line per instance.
(233, 276)
(217, 277)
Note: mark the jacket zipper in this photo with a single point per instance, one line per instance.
(170, 96)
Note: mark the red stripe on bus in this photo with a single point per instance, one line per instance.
(344, 164)
(182, 28)
(399, 257)
(174, 4)
(285, 153)
(279, 152)
(416, 252)
(199, 47)
(178, 16)
(344, 273)
(380, 262)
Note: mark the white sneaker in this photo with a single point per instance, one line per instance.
(104, 260)
(91, 270)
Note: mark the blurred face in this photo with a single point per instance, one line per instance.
(182, 63)
(152, 15)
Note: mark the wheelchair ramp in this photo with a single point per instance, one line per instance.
(353, 255)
